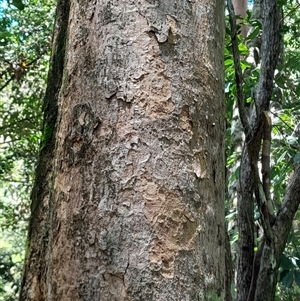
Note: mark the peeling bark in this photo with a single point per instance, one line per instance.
(136, 189)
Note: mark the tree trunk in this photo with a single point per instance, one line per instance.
(257, 273)
(129, 197)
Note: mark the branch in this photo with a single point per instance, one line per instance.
(265, 162)
(237, 67)
(278, 116)
(266, 280)
(270, 54)
(255, 271)
(7, 82)
(288, 210)
(245, 206)
(4, 128)
(13, 76)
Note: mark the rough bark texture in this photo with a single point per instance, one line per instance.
(229, 282)
(245, 214)
(133, 208)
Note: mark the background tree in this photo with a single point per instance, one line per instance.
(25, 38)
(257, 281)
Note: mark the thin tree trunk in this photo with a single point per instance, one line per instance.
(135, 197)
(259, 282)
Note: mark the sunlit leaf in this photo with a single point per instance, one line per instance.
(243, 49)
(228, 62)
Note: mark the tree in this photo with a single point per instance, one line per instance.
(24, 56)
(128, 202)
(257, 272)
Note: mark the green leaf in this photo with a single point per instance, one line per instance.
(280, 80)
(243, 48)
(286, 263)
(298, 89)
(288, 279)
(245, 65)
(18, 4)
(283, 274)
(297, 158)
(297, 277)
(253, 34)
(5, 34)
(228, 62)
(282, 157)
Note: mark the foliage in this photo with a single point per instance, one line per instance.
(11, 262)
(25, 36)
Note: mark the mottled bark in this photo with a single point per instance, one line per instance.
(135, 204)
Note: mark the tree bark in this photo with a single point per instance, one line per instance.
(129, 196)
